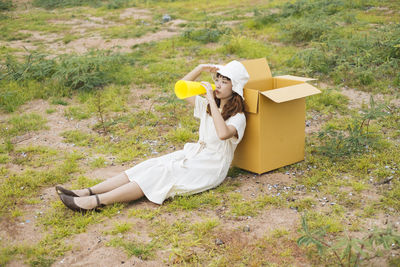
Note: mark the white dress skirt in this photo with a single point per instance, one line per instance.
(197, 167)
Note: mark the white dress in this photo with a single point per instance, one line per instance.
(198, 167)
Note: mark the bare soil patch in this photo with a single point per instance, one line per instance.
(56, 123)
(135, 13)
(358, 98)
(86, 40)
(83, 45)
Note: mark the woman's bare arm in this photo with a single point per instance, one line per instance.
(223, 131)
(191, 76)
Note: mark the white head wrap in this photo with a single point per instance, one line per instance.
(235, 71)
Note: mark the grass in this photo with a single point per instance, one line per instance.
(132, 248)
(18, 188)
(127, 112)
(22, 124)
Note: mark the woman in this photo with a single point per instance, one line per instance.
(199, 166)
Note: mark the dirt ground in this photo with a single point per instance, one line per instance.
(89, 248)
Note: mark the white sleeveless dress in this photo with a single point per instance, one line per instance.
(198, 167)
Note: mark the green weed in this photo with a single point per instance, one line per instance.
(51, 4)
(203, 200)
(328, 102)
(331, 223)
(4, 159)
(7, 253)
(147, 214)
(35, 156)
(305, 30)
(59, 101)
(349, 251)
(134, 248)
(22, 124)
(77, 113)
(14, 94)
(35, 66)
(180, 135)
(143, 118)
(84, 72)
(210, 33)
(358, 137)
(77, 137)
(16, 189)
(303, 204)
(69, 38)
(241, 207)
(204, 228)
(6, 5)
(391, 197)
(119, 228)
(88, 71)
(98, 162)
(133, 30)
(125, 146)
(50, 110)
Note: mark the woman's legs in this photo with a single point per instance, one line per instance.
(105, 186)
(124, 193)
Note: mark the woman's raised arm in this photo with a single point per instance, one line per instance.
(191, 76)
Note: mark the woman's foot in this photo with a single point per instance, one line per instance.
(88, 203)
(74, 193)
(83, 192)
(82, 204)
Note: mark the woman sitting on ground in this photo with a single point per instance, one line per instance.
(199, 166)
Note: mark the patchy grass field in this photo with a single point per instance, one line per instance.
(86, 90)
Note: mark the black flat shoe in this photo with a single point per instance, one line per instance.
(61, 190)
(70, 203)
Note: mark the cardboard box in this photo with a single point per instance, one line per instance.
(275, 112)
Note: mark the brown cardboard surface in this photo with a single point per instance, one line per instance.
(295, 78)
(275, 113)
(291, 92)
(248, 153)
(283, 133)
(260, 74)
(280, 82)
(251, 100)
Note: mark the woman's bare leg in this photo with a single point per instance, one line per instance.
(124, 193)
(105, 186)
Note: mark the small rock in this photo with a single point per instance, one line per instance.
(246, 228)
(166, 18)
(219, 242)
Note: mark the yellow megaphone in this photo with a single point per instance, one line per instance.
(185, 89)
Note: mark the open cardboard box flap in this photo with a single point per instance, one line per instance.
(289, 87)
(293, 92)
(251, 97)
(295, 78)
(261, 77)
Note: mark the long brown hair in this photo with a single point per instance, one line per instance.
(234, 105)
